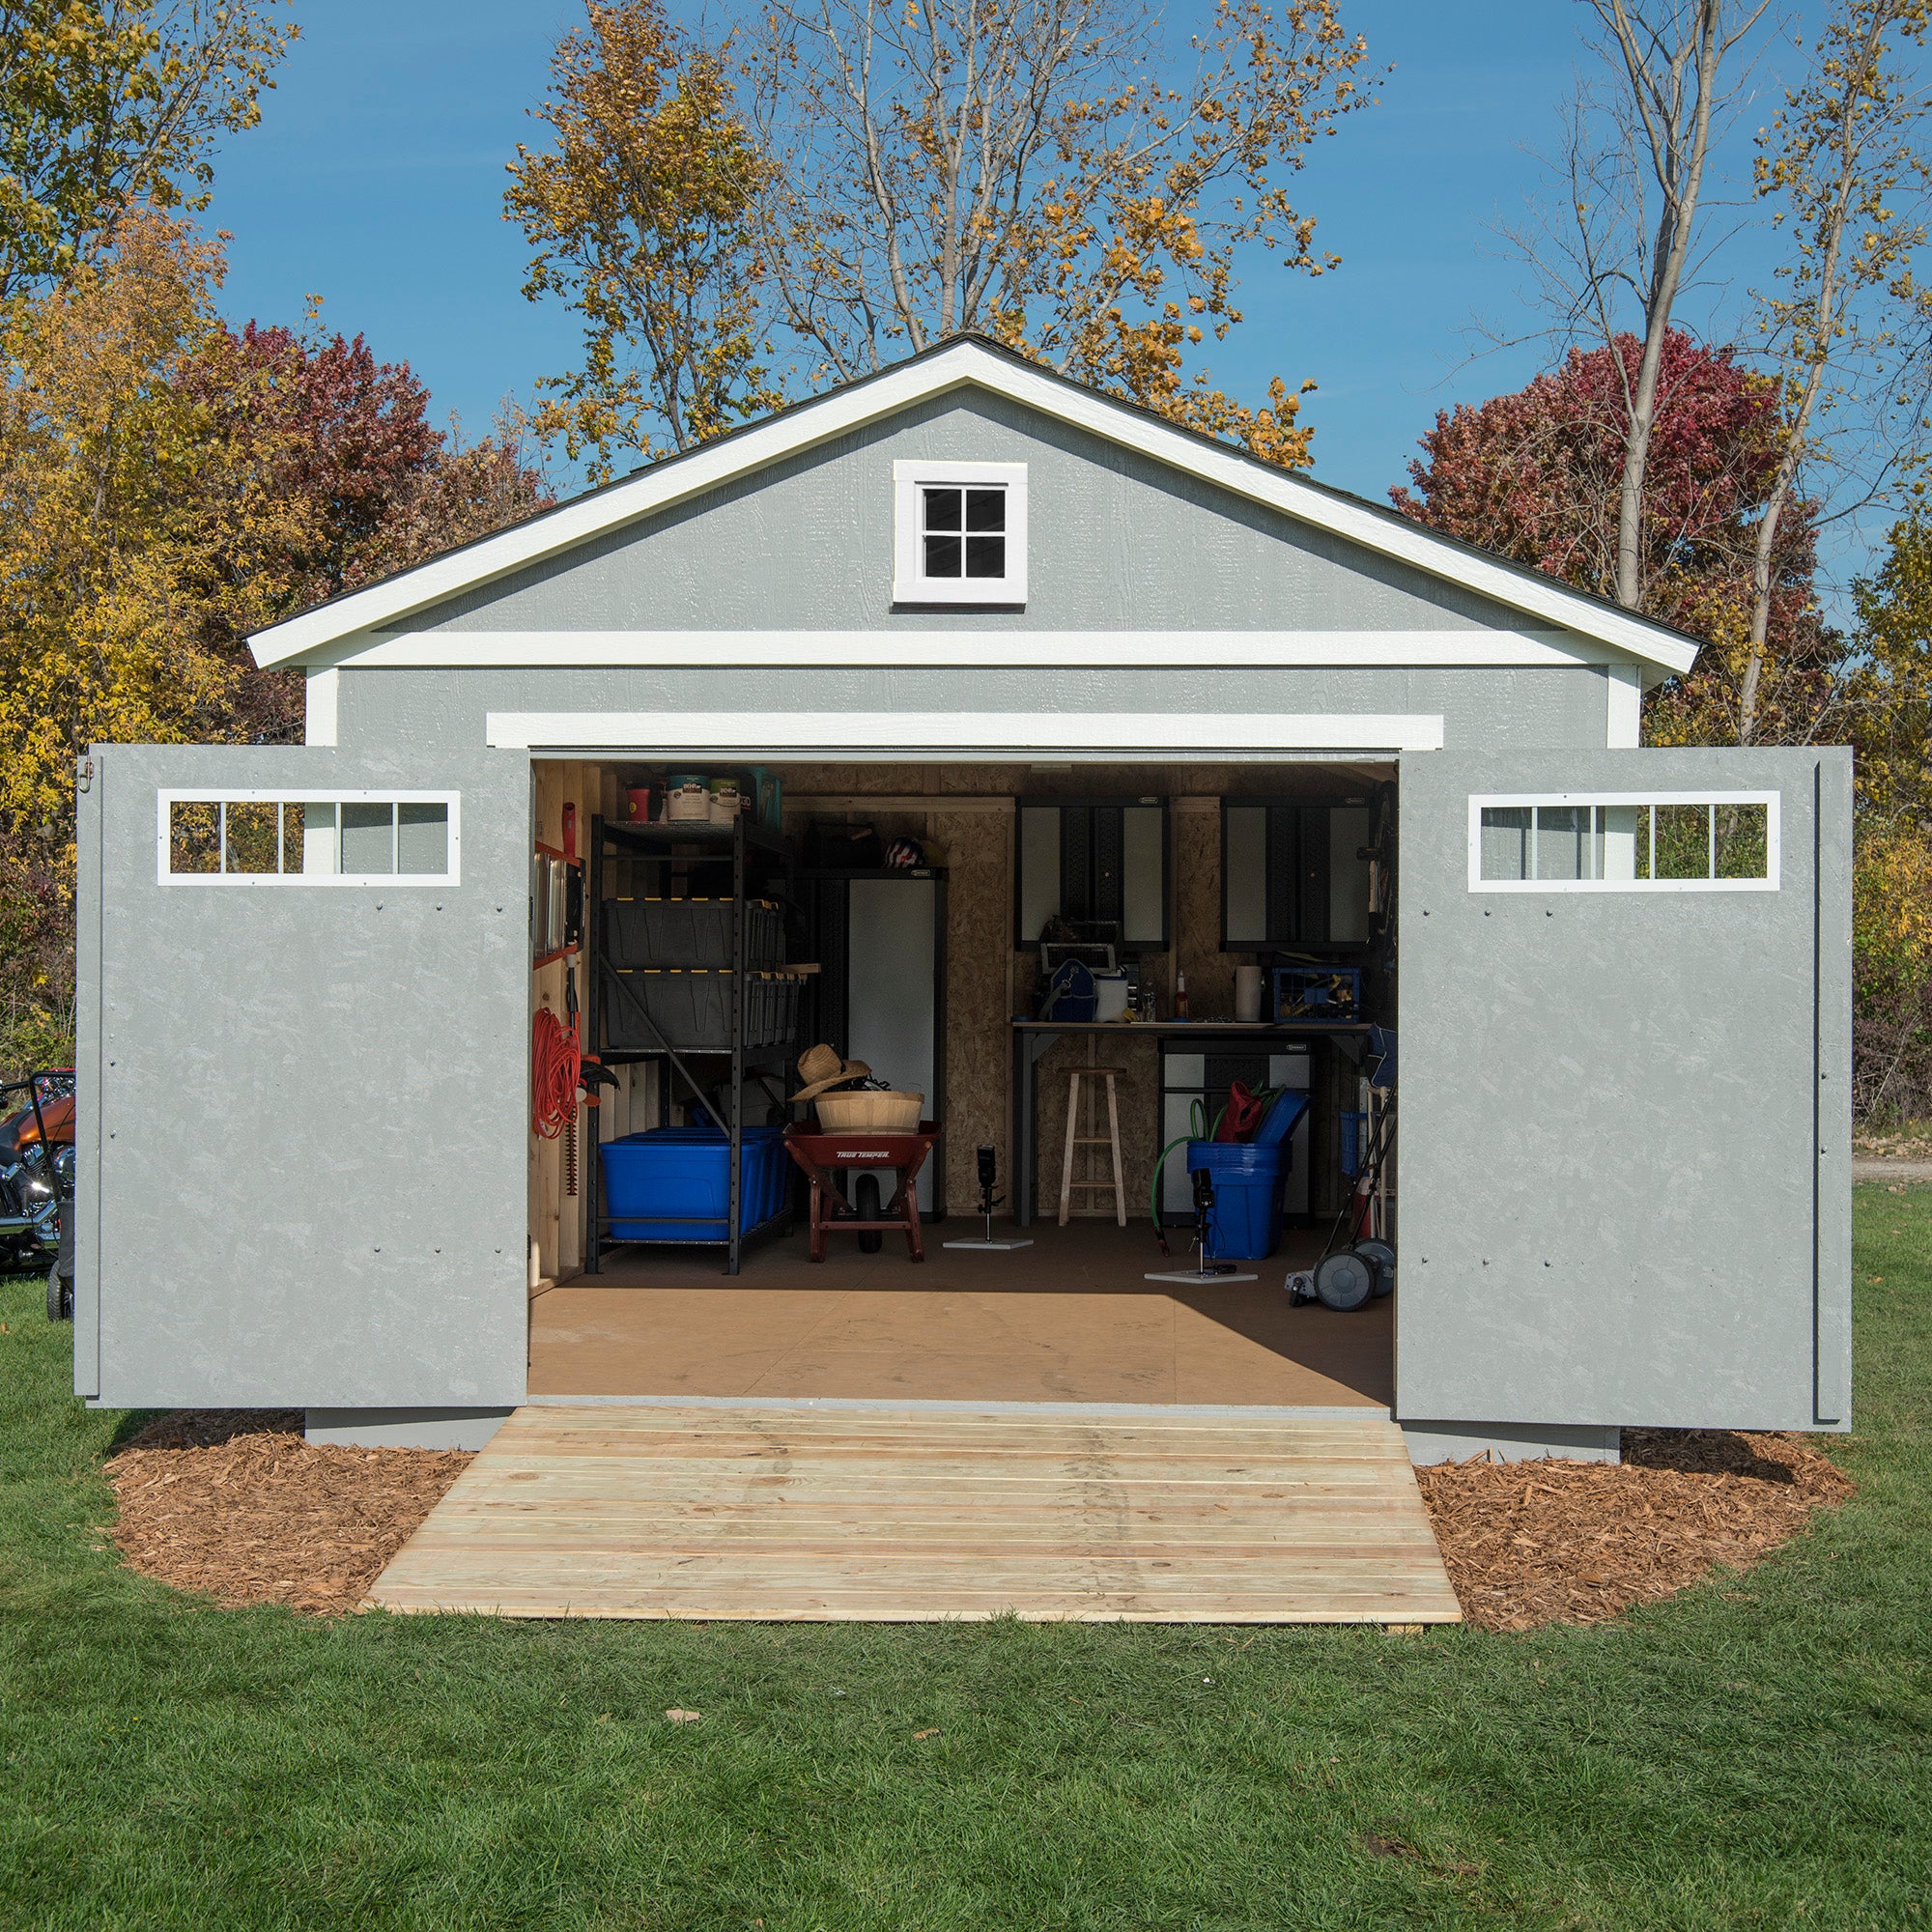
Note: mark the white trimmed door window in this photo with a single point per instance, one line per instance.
(1624, 841)
(960, 533)
(315, 839)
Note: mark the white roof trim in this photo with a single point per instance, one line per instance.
(883, 649)
(842, 411)
(1109, 734)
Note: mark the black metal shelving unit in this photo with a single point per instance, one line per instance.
(748, 849)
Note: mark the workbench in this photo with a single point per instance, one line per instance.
(1033, 1037)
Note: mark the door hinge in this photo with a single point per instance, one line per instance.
(84, 775)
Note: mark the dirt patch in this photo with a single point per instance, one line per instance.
(1557, 1541)
(235, 1503)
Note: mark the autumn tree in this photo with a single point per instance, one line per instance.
(1537, 475)
(643, 219)
(107, 106)
(168, 485)
(1624, 237)
(1886, 716)
(1059, 174)
(1846, 327)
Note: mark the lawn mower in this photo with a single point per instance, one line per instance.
(37, 1180)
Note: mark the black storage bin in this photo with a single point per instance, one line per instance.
(692, 1007)
(690, 932)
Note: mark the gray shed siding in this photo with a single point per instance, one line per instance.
(308, 1178)
(1624, 1169)
(400, 713)
(1116, 541)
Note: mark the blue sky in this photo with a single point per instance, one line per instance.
(376, 181)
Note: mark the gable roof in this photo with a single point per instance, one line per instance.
(968, 361)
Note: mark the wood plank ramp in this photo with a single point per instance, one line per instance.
(812, 1515)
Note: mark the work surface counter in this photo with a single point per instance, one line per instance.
(1033, 1037)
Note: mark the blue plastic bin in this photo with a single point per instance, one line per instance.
(1354, 1127)
(686, 1172)
(1244, 1224)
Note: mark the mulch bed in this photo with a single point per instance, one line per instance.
(1579, 1542)
(235, 1504)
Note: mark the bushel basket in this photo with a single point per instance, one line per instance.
(870, 1112)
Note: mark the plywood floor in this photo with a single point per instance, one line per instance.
(786, 1514)
(1068, 1319)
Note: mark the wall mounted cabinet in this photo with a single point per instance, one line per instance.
(1094, 861)
(1293, 873)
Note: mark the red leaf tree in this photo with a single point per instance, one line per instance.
(348, 439)
(1533, 477)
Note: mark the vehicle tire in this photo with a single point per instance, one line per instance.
(60, 1296)
(866, 1205)
(1344, 1282)
(1381, 1256)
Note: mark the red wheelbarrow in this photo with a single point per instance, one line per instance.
(824, 1157)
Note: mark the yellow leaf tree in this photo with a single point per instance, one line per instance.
(851, 179)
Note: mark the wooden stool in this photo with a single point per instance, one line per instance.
(1075, 1139)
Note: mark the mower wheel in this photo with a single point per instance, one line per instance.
(1381, 1256)
(866, 1205)
(1344, 1282)
(60, 1296)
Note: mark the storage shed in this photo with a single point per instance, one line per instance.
(1093, 677)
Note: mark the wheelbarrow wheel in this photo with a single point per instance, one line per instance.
(866, 1205)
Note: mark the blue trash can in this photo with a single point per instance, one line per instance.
(686, 1172)
(1244, 1224)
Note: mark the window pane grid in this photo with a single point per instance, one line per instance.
(963, 531)
(1710, 842)
(349, 839)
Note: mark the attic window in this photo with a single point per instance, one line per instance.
(960, 533)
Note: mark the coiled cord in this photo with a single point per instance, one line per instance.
(557, 1071)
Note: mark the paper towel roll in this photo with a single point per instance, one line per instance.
(1247, 993)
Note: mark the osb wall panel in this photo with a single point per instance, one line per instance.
(1196, 927)
(978, 916)
(1138, 1093)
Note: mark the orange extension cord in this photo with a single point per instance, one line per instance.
(557, 1071)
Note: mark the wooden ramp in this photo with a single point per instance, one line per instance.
(784, 1514)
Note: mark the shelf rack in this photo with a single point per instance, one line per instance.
(747, 848)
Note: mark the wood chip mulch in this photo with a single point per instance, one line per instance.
(236, 1504)
(1557, 1541)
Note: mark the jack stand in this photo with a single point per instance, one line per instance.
(1207, 1271)
(988, 1201)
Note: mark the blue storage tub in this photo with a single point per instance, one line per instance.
(1354, 1131)
(1244, 1224)
(686, 1172)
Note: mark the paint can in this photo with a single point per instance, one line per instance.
(1247, 994)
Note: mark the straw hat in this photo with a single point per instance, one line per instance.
(820, 1067)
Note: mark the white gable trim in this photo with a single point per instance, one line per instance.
(1229, 737)
(906, 647)
(839, 412)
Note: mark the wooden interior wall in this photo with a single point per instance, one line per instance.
(557, 1214)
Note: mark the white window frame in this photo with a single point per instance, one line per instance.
(910, 583)
(166, 801)
(1482, 801)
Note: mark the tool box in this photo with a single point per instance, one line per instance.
(1318, 993)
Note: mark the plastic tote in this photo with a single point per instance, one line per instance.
(664, 1184)
(1244, 1223)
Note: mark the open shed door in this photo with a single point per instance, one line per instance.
(1625, 1067)
(302, 1067)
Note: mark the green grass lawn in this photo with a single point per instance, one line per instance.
(1753, 1753)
